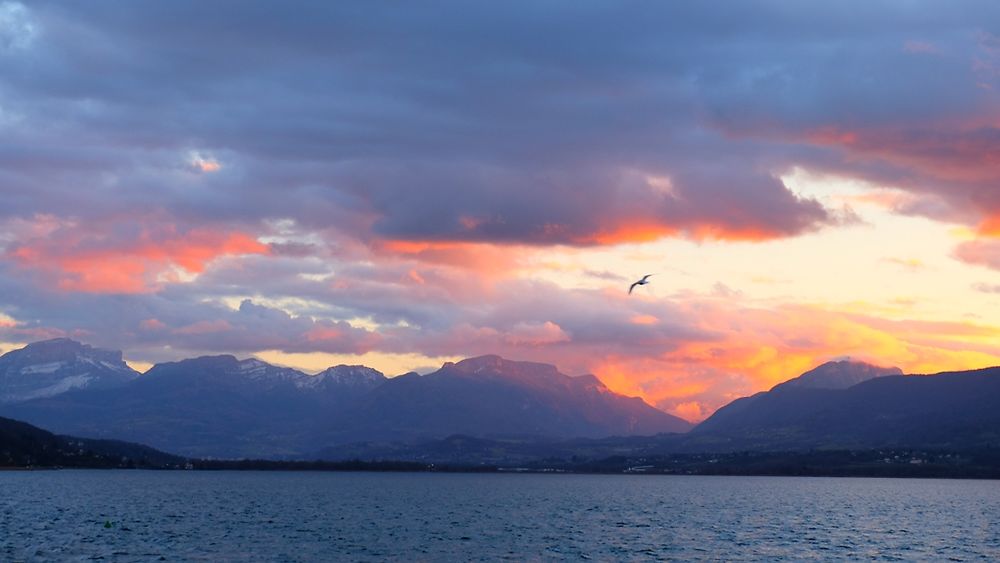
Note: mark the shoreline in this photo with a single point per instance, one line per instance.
(310, 468)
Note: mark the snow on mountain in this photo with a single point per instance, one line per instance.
(259, 370)
(352, 377)
(53, 367)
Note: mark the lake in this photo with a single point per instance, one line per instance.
(302, 516)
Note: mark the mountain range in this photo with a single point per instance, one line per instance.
(479, 410)
(838, 406)
(219, 406)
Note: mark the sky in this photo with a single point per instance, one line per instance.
(403, 184)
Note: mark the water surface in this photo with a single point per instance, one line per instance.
(293, 516)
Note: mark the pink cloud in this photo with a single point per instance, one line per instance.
(152, 325)
(982, 252)
(536, 334)
(483, 257)
(124, 255)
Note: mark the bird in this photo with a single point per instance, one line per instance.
(643, 281)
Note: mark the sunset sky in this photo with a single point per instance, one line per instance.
(403, 184)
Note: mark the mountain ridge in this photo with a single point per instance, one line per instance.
(838, 374)
(945, 410)
(218, 405)
(489, 396)
(52, 367)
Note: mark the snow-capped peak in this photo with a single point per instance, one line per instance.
(252, 368)
(51, 367)
(358, 377)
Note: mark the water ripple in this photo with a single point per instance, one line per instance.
(251, 516)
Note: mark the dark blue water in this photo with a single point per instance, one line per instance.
(271, 516)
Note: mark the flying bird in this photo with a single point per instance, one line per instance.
(643, 281)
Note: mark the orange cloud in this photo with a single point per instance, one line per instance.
(990, 227)
(690, 411)
(755, 349)
(126, 258)
(644, 320)
(484, 258)
(629, 233)
(416, 277)
(703, 231)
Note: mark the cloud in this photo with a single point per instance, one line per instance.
(536, 334)
(606, 275)
(152, 325)
(986, 287)
(201, 327)
(204, 164)
(910, 264)
(576, 160)
(228, 177)
(17, 28)
(690, 411)
(756, 348)
(125, 256)
(981, 252)
(697, 350)
(398, 127)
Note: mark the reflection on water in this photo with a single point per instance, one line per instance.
(279, 516)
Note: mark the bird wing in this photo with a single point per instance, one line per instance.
(631, 287)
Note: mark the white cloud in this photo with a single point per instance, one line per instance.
(536, 334)
(204, 163)
(17, 29)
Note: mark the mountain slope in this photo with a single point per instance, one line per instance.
(52, 367)
(838, 375)
(491, 396)
(23, 445)
(214, 406)
(947, 410)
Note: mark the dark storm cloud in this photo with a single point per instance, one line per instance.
(530, 123)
